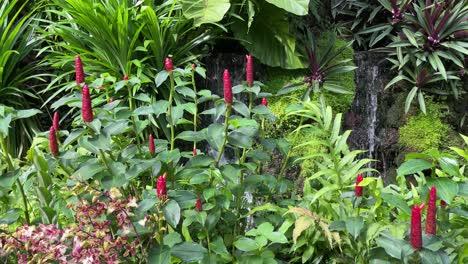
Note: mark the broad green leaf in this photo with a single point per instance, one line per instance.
(297, 7)
(398, 202)
(160, 255)
(172, 213)
(447, 189)
(269, 38)
(172, 238)
(205, 11)
(246, 244)
(161, 77)
(354, 225)
(413, 166)
(189, 251)
(10, 216)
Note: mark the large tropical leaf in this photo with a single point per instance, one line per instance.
(205, 11)
(297, 7)
(269, 38)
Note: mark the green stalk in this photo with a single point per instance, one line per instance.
(171, 126)
(288, 155)
(195, 114)
(20, 186)
(131, 104)
(226, 130)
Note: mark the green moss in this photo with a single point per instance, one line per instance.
(423, 132)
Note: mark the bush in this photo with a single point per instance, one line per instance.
(425, 131)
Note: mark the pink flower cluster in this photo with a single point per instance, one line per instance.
(92, 240)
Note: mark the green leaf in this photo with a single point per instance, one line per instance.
(4, 125)
(276, 237)
(161, 77)
(172, 213)
(409, 98)
(215, 136)
(189, 251)
(269, 38)
(8, 179)
(354, 225)
(205, 11)
(410, 37)
(395, 200)
(88, 170)
(413, 166)
(160, 255)
(10, 216)
(449, 166)
(172, 238)
(447, 189)
(297, 7)
(218, 247)
(246, 244)
(241, 108)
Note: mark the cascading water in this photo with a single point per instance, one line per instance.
(364, 115)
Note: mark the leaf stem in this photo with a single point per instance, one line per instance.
(226, 130)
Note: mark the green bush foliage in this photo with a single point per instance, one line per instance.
(423, 132)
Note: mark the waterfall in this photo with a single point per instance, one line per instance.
(372, 112)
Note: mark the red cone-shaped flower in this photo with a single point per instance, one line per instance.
(358, 189)
(194, 66)
(79, 72)
(249, 71)
(55, 122)
(431, 219)
(168, 64)
(111, 100)
(227, 87)
(151, 146)
(161, 190)
(125, 77)
(415, 232)
(54, 150)
(194, 151)
(86, 108)
(198, 205)
(443, 203)
(264, 101)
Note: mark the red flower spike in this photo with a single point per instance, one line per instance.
(55, 122)
(54, 150)
(161, 189)
(168, 64)
(86, 108)
(249, 71)
(431, 219)
(151, 146)
(264, 101)
(358, 189)
(79, 72)
(125, 77)
(194, 151)
(415, 232)
(198, 205)
(227, 87)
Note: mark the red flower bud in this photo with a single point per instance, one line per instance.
(55, 122)
(443, 203)
(168, 64)
(227, 87)
(431, 221)
(79, 72)
(125, 77)
(249, 70)
(100, 87)
(358, 189)
(264, 101)
(415, 232)
(54, 150)
(151, 146)
(111, 100)
(161, 190)
(194, 151)
(86, 108)
(194, 66)
(198, 205)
